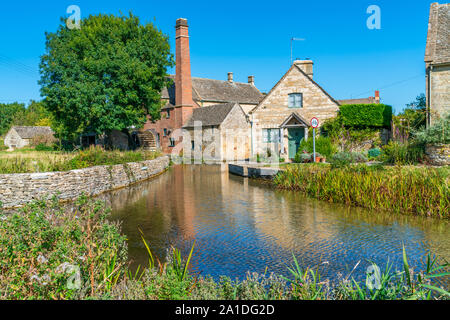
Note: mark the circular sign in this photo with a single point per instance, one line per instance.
(314, 122)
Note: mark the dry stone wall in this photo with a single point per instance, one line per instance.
(438, 155)
(19, 189)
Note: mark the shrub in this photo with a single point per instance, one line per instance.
(45, 247)
(438, 133)
(43, 147)
(303, 157)
(403, 153)
(374, 153)
(43, 139)
(344, 158)
(366, 115)
(324, 146)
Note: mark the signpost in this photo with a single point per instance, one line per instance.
(314, 125)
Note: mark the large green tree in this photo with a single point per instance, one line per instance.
(106, 75)
(8, 112)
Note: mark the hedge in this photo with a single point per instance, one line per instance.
(366, 115)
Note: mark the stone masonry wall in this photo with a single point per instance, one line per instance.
(440, 92)
(438, 155)
(19, 189)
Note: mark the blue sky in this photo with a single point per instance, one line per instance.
(249, 38)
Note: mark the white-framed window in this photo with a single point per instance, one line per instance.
(296, 100)
(172, 142)
(271, 135)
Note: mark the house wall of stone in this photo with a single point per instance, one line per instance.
(13, 140)
(19, 189)
(235, 136)
(440, 91)
(274, 110)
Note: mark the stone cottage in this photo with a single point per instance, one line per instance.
(282, 119)
(20, 137)
(219, 132)
(186, 94)
(437, 62)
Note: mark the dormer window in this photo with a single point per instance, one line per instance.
(296, 100)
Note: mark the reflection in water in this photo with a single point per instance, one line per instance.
(244, 225)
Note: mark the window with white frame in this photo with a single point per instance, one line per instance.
(296, 100)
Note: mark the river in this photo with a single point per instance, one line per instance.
(242, 225)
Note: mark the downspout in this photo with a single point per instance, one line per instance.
(251, 136)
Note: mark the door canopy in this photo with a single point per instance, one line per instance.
(294, 121)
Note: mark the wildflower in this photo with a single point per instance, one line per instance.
(41, 259)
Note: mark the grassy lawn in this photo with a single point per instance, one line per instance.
(31, 161)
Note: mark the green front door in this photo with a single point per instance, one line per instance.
(295, 136)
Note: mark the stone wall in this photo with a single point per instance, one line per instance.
(440, 92)
(438, 155)
(19, 189)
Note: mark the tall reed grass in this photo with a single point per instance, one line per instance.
(409, 190)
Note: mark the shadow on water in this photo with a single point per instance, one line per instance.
(245, 225)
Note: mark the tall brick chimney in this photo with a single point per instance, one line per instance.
(183, 80)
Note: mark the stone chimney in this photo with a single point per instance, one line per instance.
(306, 66)
(183, 80)
(251, 80)
(230, 76)
(377, 96)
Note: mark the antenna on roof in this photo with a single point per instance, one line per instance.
(292, 47)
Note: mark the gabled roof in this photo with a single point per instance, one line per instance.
(30, 132)
(281, 80)
(217, 91)
(438, 39)
(294, 116)
(210, 116)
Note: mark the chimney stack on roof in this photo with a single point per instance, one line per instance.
(306, 66)
(251, 80)
(377, 96)
(230, 76)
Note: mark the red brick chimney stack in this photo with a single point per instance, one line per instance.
(183, 80)
(377, 96)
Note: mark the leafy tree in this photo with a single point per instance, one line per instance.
(34, 115)
(107, 75)
(8, 112)
(412, 118)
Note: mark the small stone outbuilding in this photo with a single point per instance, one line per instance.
(20, 137)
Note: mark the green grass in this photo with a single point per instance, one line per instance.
(49, 252)
(30, 161)
(408, 190)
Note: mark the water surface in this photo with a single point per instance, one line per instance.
(242, 225)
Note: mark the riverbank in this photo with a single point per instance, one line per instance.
(408, 190)
(48, 252)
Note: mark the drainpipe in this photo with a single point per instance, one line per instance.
(430, 68)
(251, 136)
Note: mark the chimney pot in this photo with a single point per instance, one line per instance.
(251, 80)
(230, 76)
